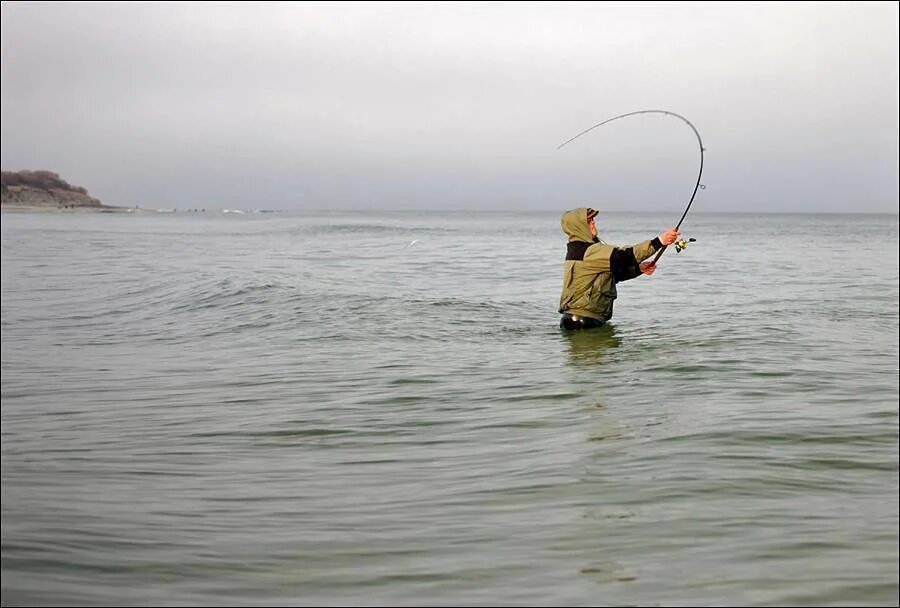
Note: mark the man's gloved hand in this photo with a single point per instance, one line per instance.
(669, 236)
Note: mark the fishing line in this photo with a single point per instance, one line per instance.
(699, 173)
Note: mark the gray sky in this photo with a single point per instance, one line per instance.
(457, 105)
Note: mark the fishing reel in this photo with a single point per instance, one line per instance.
(682, 244)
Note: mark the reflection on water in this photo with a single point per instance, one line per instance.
(591, 346)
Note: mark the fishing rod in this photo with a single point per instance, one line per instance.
(682, 244)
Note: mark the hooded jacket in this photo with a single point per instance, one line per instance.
(593, 268)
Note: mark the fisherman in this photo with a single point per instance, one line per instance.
(593, 268)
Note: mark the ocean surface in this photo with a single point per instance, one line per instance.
(327, 409)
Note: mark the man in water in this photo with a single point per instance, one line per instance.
(593, 268)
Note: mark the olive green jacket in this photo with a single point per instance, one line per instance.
(593, 268)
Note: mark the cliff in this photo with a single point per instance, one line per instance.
(44, 190)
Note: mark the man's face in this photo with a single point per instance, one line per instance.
(592, 226)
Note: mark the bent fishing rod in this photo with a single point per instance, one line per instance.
(681, 244)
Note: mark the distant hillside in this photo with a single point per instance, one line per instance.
(43, 189)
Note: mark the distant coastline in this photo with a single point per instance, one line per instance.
(46, 191)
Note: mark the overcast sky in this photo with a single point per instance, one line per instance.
(457, 105)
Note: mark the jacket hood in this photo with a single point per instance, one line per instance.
(575, 224)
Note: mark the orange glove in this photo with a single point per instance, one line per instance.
(669, 236)
(648, 268)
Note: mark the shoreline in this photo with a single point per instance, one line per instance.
(74, 209)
